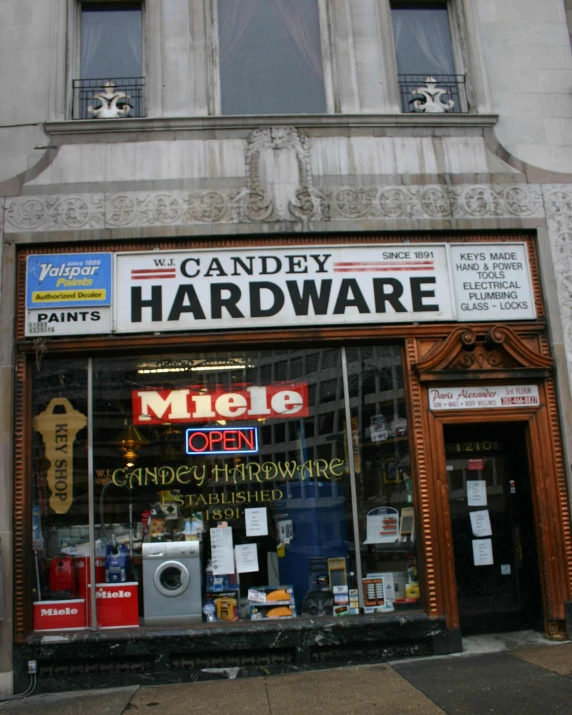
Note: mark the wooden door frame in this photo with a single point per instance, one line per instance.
(469, 356)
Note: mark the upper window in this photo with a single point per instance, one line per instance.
(270, 57)
(111, 64)
(425, 60)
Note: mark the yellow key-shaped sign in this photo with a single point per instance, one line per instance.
(59, 431)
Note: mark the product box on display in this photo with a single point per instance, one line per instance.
(117, 605)
(82, 568)
(271, 602)
(60, 615)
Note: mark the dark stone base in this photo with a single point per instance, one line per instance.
(568, 611)
(145, 656)
(448, 642)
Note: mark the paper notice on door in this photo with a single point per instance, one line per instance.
(256, 521)
(246, 558)
(481, 523)
(476, 492)
(483, 552)
(222, 553)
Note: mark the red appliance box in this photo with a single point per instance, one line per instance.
(117, 605)
(59, 615)
(82, 566)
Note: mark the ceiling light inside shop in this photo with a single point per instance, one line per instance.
(198, 365)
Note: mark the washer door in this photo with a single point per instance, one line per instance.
(171, 578)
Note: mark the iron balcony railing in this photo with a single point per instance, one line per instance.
(433, 94)
(108, 98)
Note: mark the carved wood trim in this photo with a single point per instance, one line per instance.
(564, 530)
(549, 496)
(471, 353)
(424, 494)
(22, 498)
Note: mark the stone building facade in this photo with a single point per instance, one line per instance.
(496, 165)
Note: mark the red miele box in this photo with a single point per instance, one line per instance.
(117, 605)
(82, 564)
(59, 615)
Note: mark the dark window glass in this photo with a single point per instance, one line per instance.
(422, 38)
(270, 57)
(111, 40)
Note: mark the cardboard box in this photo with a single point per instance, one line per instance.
(60, 615)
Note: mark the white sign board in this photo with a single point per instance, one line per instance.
(472, 398)
(492, 281)
(483, 552)
(476, 492)
(71, 321)
(222, 553)
(481, 523)
(320, 285)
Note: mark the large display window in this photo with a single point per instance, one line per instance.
(215, 487)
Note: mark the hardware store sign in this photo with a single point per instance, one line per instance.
(186, 290)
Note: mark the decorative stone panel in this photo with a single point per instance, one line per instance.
(258, 203)
(558, 206)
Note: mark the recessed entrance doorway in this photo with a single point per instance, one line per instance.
(493, 528)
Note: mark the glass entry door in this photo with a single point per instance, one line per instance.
(493, 528)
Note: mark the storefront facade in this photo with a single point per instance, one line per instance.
(286, 334)
(190, 456)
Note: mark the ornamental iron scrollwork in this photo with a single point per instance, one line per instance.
(431, 101)
(109, 98)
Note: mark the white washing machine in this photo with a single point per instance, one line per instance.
(172, 583)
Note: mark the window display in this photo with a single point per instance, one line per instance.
(223, 487)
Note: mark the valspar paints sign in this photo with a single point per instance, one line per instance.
(282, 287)
(68, 294)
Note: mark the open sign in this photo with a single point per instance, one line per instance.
(222, 440)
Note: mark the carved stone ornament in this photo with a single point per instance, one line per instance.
(265, 200)
(558, 203)
(108, 99)
(467, 353)
(279, 184)
(431, 101)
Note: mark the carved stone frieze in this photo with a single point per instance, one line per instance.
(264, 201)
(438, 202)
(52, 213)
(558, 206)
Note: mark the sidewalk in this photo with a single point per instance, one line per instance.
(510, 673)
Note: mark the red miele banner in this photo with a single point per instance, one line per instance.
(195, 404)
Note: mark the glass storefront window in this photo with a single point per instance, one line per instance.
(223, 487)
(383, 475)
(60, 514)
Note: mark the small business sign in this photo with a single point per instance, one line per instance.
(472, 398)
(59, 424)
(68, 294)
(222, 440)
(244, 402)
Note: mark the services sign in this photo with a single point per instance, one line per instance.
(466, 398)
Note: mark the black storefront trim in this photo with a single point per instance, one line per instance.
(86, 659)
